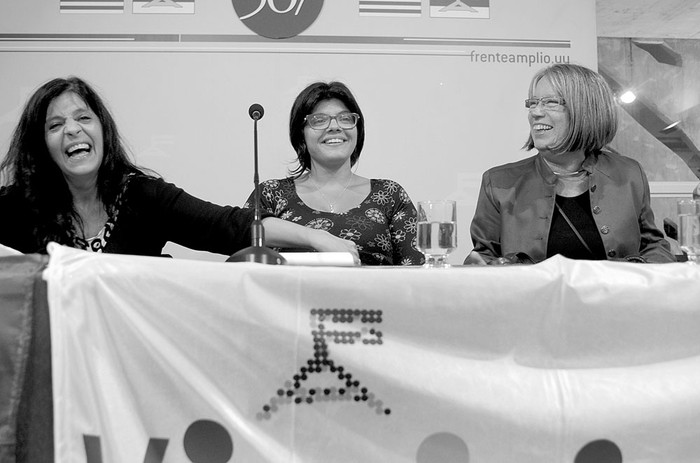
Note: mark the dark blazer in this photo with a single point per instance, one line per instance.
(516, 203)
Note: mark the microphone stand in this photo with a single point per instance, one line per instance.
(257, 252)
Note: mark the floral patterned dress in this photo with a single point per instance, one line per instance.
(383, 225)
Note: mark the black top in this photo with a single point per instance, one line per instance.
(151, 213)
(563, 240)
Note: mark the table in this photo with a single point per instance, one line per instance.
(567, 361)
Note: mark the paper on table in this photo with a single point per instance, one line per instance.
(8, 251)
(332, 259)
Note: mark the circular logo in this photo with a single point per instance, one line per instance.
(277, 19)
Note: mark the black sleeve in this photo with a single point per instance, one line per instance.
(155, 212)
(16, 224)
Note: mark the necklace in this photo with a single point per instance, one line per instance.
(564, 174)
(331, 203)
(568, 174)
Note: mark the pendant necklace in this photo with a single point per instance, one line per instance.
(330, 204)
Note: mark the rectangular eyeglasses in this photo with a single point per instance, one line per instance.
(549, 103)
(321, 121)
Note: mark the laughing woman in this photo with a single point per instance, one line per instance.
(574, 197)
(67, 178)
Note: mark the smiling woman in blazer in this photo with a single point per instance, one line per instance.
(574, 197)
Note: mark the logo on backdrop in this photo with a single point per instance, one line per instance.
(475, 9)
(277, 19)
(162, 6)
(345, 387)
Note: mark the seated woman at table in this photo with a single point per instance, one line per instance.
(67, 178)
(572, 198)
(327, 131)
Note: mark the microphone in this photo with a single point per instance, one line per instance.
(257, 252)
(256, 111)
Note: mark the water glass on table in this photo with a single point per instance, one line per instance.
(689, 228)
(437, 231)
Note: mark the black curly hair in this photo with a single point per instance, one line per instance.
(29, 171)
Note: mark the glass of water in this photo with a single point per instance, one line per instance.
(437, 231)
(689, 228)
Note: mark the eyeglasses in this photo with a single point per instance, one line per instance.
(321, 121)
(549, 103)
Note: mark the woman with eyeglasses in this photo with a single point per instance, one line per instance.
(67, 178)
(327, 131)
(574, 197)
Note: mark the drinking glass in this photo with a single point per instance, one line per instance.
(689, 228)
(437, 231)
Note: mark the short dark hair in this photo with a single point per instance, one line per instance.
(305, 103)
(589, 102)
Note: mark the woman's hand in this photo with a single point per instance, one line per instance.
(474, 258)
(323, 241)
(513, 258)
(282, 234)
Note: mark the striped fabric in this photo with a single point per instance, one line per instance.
(92, 6)
(397, 8)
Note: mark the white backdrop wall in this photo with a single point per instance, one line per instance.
(442, 97)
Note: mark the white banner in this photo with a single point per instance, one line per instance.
(162, 360)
